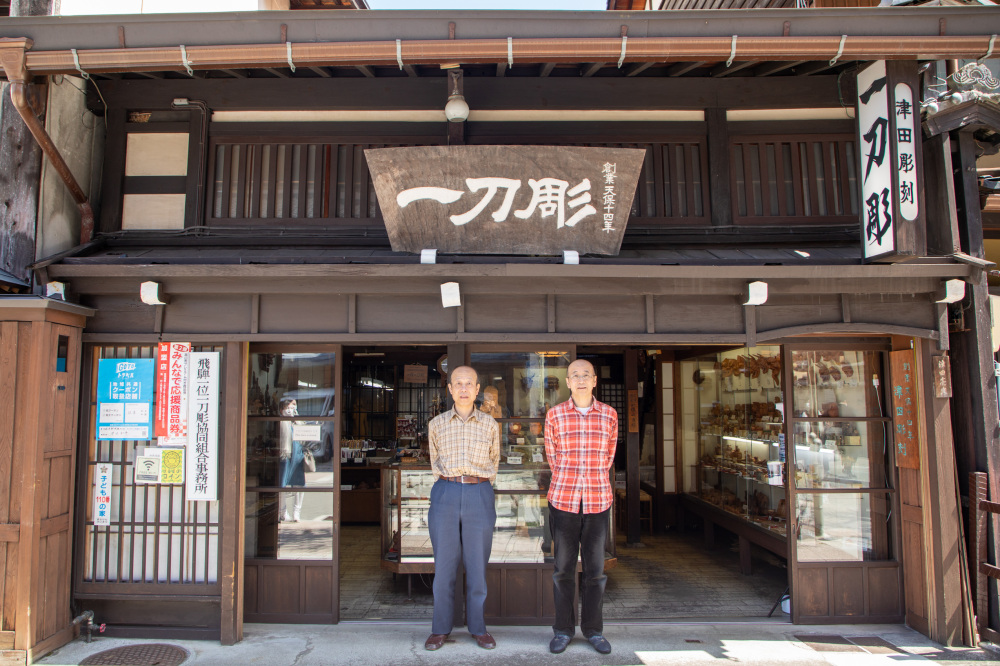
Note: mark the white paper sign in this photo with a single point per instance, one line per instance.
(513, 460)
(102, 494)
(905, 142)
(537, 457)
(201, 473)
(303, 432)
(146, 469)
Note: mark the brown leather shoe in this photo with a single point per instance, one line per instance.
(485, 641)
(435, 641)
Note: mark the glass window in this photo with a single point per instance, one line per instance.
(522, 384)
(289, 526)
(840, 454)
(843, 527)
(835, 384)
(306, 378)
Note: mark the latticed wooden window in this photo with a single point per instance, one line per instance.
(155, 535)
(794, 179)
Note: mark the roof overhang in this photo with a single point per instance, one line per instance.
(189, 43)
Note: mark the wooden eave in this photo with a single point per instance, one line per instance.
(401, 43)
(982, 114)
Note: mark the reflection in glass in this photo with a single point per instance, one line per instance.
(840, 454)
(835, 384)
(308, 378)
(273, 464)
(269, 536)
(523, 384)
(843, 527)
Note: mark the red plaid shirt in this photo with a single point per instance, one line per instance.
(581, 449)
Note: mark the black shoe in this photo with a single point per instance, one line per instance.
(600, 644)
(559, 643)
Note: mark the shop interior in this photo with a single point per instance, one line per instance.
(714, 502)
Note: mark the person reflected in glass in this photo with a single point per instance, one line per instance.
(581, 435)
(291, 464)
(464, 445)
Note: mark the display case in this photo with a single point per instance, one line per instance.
(521, 536)
(741, 456)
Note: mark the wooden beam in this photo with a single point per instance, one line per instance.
(21, 162)
(815, 68)
(234, 382)
(501, 69)
(546, 69)
(719, 186)
(366, 70)
(280, 73)
(769, 68)
(591, 69)
(639, 67)
(411, 71)
(235, 73)
(146, 75)
(682, 68)
(721, 70)
(322, 71)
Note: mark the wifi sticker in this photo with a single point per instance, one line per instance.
(147, 469)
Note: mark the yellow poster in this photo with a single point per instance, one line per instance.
(172, 466)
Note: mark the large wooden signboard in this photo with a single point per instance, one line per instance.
(902, 372)
(890, 161)
(505, 199)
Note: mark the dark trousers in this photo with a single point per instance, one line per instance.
(460, 522)
(580, 534)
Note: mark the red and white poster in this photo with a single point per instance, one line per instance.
(171, 392)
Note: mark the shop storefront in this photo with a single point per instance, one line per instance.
(773, 387)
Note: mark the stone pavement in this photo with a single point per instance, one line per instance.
(652, 644)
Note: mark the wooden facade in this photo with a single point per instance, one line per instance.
(276, 237)
(40, 362)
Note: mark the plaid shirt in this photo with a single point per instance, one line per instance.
(581, 449)
(464, 448)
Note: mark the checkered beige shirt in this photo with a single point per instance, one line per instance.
(464, 448)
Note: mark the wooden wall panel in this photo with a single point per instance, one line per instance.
(494, 581)
(8, 374)
(697, 314)
(812, 592)
(318, 590)
(779, 312)
(250, 589)
(902, 309)
(280, 590)
(848, 591)
(206, 313)
(507, 314)
(884, 593)
(586, 314)
(303, 313)
(409, 313)
(119, 313)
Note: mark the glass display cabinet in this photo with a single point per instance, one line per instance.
(521, 535)
(741, 463)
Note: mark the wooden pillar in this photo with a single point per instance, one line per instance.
(630, 422)
(719, 186)
(40, 347)
(976, 416)
(942, 515)
(233, 506)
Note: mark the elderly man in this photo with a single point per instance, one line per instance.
(465, 453)
(580, 439)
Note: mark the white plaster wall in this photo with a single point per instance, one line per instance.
(91, 7)
(79, 136)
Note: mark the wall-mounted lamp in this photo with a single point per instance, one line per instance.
(755, 293)
(457, 109)
(150, 294)
(450, 295)
(951, 291)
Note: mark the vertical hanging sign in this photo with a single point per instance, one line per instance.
(889, 162)
(201, 476)
(905, 434)
(171, 392)
(102, 494)
(125, 398)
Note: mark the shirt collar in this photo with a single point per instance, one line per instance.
(452, 414)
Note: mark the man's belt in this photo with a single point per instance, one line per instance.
(465, 479)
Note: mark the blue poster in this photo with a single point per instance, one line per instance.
(125, 398)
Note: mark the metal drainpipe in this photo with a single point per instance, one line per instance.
(19, 96)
